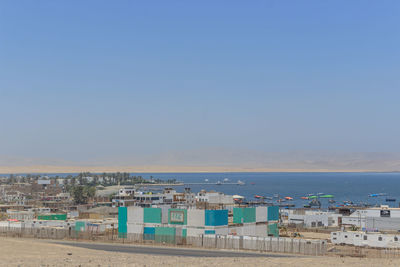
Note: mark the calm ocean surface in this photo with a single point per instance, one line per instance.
(344, 186)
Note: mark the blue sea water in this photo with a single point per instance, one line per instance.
(353, 187)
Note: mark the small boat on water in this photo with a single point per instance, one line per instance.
(288, 198)
(240, 182)
(257, 196)
(304, 197)
(286, 205)
(238, 198)
(315, 202)
(332, 201)
(219, 183)
(326, 196)
(377, 195)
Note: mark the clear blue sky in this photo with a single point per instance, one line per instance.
(124, 78)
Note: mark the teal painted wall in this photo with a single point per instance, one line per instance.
(149, 233)
(122, 221)
(273, 229)
(216, 217)
(184, 232)
(176, 213)
(273, 213)
(80, 226)
(54, 217)
(209, 232)
(244, 215)
(171, 231)
(152, 215)
(249, 215)
(165, 234)
(237, 215)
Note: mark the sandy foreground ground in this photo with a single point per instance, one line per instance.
(31, 252)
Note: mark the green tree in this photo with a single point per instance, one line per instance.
(78, 194)
(82, 194)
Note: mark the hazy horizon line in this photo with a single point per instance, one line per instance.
(170, 169)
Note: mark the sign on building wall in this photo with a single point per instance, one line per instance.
(385, 213)
(177, 216)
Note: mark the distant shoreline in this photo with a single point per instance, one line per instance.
(164, 169)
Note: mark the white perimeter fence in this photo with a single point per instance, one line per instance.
(262, 244)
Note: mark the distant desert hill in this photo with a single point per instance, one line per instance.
(213, 160)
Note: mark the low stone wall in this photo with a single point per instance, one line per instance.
(262, 244)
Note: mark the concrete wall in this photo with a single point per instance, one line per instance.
(273, 244)
(333, 219)
(382, 223)
(135, 214)
(261, 214)
(248, 229)
(194, 232)
(262, 230)
(164, 213)
(354, 220)
(195, 218)
(135, 228)
(221, 230)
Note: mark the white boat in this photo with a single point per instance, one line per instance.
(240, 182)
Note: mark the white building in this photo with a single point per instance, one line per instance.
(361, 239)
(313, 218)
(20, 215)
(382, 218)
(214, 198)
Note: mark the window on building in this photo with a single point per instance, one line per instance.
(357, 236)
(380, 238)
(365, 237)
(334, 238)
(345, 236)
(396, 238)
